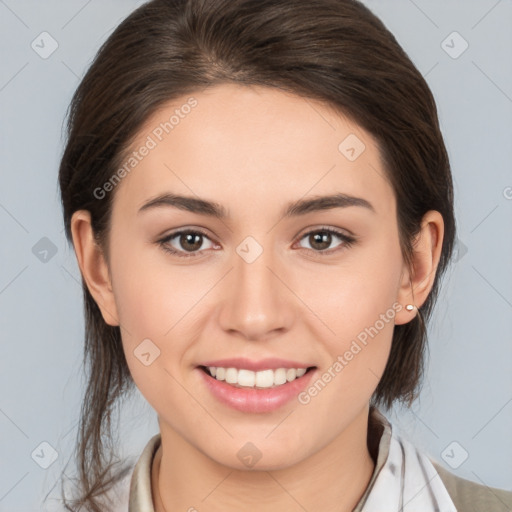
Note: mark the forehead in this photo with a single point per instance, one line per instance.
(246, 145)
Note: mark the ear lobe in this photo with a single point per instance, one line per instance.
(93, 266)
(417, 281)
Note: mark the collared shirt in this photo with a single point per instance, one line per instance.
(468, 496)
(141, 499)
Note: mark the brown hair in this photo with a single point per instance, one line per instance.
(335, 51)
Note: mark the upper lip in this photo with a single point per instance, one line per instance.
(262, 364)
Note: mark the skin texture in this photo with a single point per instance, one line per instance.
(253, 150)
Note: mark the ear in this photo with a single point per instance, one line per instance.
(416, 282)
(93, 266)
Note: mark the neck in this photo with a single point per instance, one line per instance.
(332, 479)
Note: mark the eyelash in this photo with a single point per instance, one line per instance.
(348, 241)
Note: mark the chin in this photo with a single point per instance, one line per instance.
(254, 456)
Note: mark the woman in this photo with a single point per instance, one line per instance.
(261, 205)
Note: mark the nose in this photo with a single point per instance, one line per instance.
(256, 303)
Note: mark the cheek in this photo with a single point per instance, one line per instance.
(151, 294)
(352, 295)
(357, 302)
(160, 302)
(143, 298)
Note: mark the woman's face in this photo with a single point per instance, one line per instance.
(266, 286)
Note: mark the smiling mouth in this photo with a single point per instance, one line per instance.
(264, 379)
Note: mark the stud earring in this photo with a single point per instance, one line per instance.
(409, 307)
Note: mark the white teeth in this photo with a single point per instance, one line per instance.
(245, 378)
(264, 378)
(261, 379)
(279, 376)
(231, 375)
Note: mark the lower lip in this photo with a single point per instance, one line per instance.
(256, 400)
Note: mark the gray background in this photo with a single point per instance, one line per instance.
(465, 409)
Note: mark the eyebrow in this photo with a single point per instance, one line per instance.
(296, 208)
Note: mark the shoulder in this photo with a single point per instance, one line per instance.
(471, 496)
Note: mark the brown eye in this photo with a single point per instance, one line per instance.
(190, 241)
(320, 240)
(186, 241)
